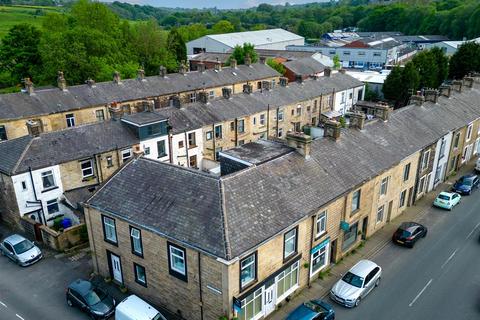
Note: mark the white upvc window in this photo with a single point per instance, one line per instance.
(248, 270)
(252, 306)
(425, 160)
(287, 281)
(48, 179)
(380, 213)
(299, 110)
(126, 154)
(290, 243)
(280, 115)
(136, 241)
(321, 224)
(262, 119)
(87, 168)
(384, 186)
(177, 260)
(110, 232)
(469, 132)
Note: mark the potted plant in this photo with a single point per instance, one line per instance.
(107, 279)
(123, 289)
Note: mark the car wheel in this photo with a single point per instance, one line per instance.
(411, 245)
(69, 302)
(425, 233)
(357, 302)
(377, 283)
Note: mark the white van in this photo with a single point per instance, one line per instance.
(134, 308)
(477, 165)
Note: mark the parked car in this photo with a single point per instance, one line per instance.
(356, 283)
(447, 200)
(90, 299)
(134, 308)
(20, 250)
(408, 233)
(466, 184)
(477, 165)
(312, 310)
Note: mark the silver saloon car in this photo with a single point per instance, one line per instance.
(20, 250)
(356, 283)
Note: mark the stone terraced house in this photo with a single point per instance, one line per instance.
(241, 243)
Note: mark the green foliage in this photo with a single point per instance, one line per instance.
(276, 65)
(392, 86)
(239, 53)
(342, 121)
(465, 60)
(336, 62)
(370, 95)
(223, 26)
(176, 45)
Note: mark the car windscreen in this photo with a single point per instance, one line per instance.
(315, 307)
(444, 197)
(23, 246)
(403, 233)
(95, 296)
(159, 317)
(467, 182)
(353, 280)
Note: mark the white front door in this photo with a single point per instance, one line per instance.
(270, 297)
(116, 268)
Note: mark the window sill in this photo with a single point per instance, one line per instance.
(248, 285)
(137, 254)
(354, 212)
(141, 283)
(161, 156)
(290, 257)
(193, 146)
(320, 235)
(111, 242)
(49, 189)
(89, 178)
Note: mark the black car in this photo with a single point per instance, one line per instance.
(466, 184)
(408, 233)
(90, 299)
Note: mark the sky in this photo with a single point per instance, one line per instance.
(220, 4)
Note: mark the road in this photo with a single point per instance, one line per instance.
(438, 279)
(37, 292)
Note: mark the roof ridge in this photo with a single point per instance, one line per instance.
(193, 171)
(226, 233)
(23, 154)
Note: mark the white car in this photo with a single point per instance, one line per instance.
(20, 250)
(356, 283)
(134, 308)
(477, 165)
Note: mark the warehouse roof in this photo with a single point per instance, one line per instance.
(257, 38)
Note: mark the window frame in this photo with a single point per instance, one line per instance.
(262, 119)
(469, 132)
(100, 112)
(135, 272)
(3, 133)
(380, 209)
(318, 222)
(255, 270)
(132, 243)
(359, 192)
(406, 172)
(124, 152)
(219, 134)
(70, 119)
(280, 115)
(105, 238)
(85, 169)
(295, 238)
(109, 160)
(241, 125)
(208, 135)
(425, 160)
(164, 153)
(384, 186)
(192, 137)
(43, 175)
(53, 202)
(171, 269)
(403, 197)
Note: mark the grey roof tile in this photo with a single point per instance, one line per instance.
(305, 66)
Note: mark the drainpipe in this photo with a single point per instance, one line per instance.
(310, 250)
(417, 179)
(99, 158)
(170, 147)
(236, 132)
(268, 120)
(118, 156)
(96, 167)
(186, 149)
(213, 141)
(320, 108)
(200, 284)
(278, 111)
(42, 217)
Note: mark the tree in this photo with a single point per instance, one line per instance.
(392, 86)
(176, 45)
(239, 53)
(19, 51)
(465, 60)
(276, 65)
(336, 62)
(223, 26)
(370, 95)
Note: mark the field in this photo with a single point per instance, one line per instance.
(12, 15)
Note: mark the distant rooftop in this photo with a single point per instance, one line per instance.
(258, 152)
(256, 38)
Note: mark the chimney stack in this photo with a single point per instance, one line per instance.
(115, 111)
(201, 67)
(357, 119)
(218, 66)
(263, 60)
(247, 88)
(383, 111)
(90, 83)
(141, 74)
(35, 127)
(468, 81)
(283, 81)
(176, 101)
(417, 99)
(61, 82)
(227, 93)
(162, 72)
(431, 95)
(150, 106)
(342, 71)
(116, 77)
(332, 129)
(298, 78)
(203, 97)
(445, 90)
(327, 72)
(248, 60)
(183, 68)
(233, 63)
(266, 85)
(457, 85)
(301, 142)
(29, 86)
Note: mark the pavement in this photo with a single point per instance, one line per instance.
(445, 265)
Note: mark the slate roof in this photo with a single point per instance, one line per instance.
(223, 57)
(196, 115)
(57, 147)
(304, 66)
(258, 152)
(264, 200)
(21, 105)
(257, 38)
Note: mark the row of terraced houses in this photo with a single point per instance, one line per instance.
(201, 190)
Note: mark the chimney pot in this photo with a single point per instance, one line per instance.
(266, 85)
(90, 83)
(203, 97)
(327, 72)
(141, 75)
(233, 63)
(226, 92)
(301, 142)
(218, 66)
(162, 72)
(357, 119)
(283, 81)
(201, 67)
(332, 129)
(35, 127)
(115, 111)
(247, 88)
(263, 60)
(248, 60)
(62, 83)
(457, 85)
(116, 77)
(29, 86)
(176, 101)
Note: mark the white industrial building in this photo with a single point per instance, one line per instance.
(272, 39)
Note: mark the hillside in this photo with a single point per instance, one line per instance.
(12, 15)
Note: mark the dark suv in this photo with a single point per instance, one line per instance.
(90, 299)
(408, 233)
(466, 184)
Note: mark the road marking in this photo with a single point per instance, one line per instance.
(420, 293)
(3, 304)
(449, 258)
(471, 232)
(19, 317)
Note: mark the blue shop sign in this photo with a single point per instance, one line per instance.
(345, 226)
(320, 246)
